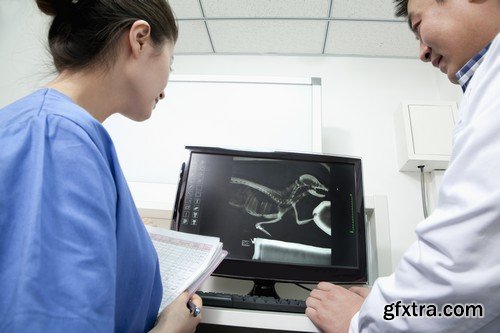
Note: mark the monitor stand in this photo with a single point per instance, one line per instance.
(264, 288)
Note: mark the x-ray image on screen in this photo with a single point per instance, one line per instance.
(278, 201)
(273, 210)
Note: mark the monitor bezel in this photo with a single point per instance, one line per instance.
(276, 272)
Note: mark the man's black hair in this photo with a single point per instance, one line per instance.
(401, 8)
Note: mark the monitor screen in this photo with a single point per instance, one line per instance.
(283, 217)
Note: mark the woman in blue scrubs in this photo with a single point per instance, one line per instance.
(74, 254)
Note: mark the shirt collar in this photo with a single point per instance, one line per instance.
(465, 74)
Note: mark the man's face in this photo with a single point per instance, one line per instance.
(446, 38)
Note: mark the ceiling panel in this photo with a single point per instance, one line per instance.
(235, 27)
(371, 39)
(378, 9)
(266, 8)
(186, 8)
(268, 36)
(193, 38)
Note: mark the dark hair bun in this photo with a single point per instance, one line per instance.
(86, 33)
(56, 7)
(47, 6)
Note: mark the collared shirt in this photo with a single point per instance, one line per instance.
(465, 74)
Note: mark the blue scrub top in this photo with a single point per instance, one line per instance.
(74, 254)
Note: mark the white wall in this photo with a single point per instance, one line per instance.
(360, 96)
(25, 63)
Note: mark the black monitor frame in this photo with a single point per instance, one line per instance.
(265, 272)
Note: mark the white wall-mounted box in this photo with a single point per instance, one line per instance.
(424, 134)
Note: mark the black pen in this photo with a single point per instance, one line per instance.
(193, 308)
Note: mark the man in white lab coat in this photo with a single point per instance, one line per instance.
(449, 279)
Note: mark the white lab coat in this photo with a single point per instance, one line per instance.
(456, 258)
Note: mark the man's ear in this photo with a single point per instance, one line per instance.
(139, 35)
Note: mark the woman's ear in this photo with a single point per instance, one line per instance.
(139, 35)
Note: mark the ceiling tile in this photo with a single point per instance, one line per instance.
(263, 36)
(378, 9)
(266, 8)
(186, 8)
(193, 38)
(371, 39)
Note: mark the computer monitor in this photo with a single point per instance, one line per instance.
(283, 217)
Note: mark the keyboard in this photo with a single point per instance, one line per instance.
(252, 302)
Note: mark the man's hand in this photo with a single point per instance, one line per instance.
(331, 307)
(361, 291)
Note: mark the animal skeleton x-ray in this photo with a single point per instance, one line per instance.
(271, 204)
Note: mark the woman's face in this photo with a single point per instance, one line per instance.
(149, 78)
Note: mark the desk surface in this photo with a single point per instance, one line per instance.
(294, 322)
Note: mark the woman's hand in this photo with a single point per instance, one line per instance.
(176, 317)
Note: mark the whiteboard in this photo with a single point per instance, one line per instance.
(251, 113)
